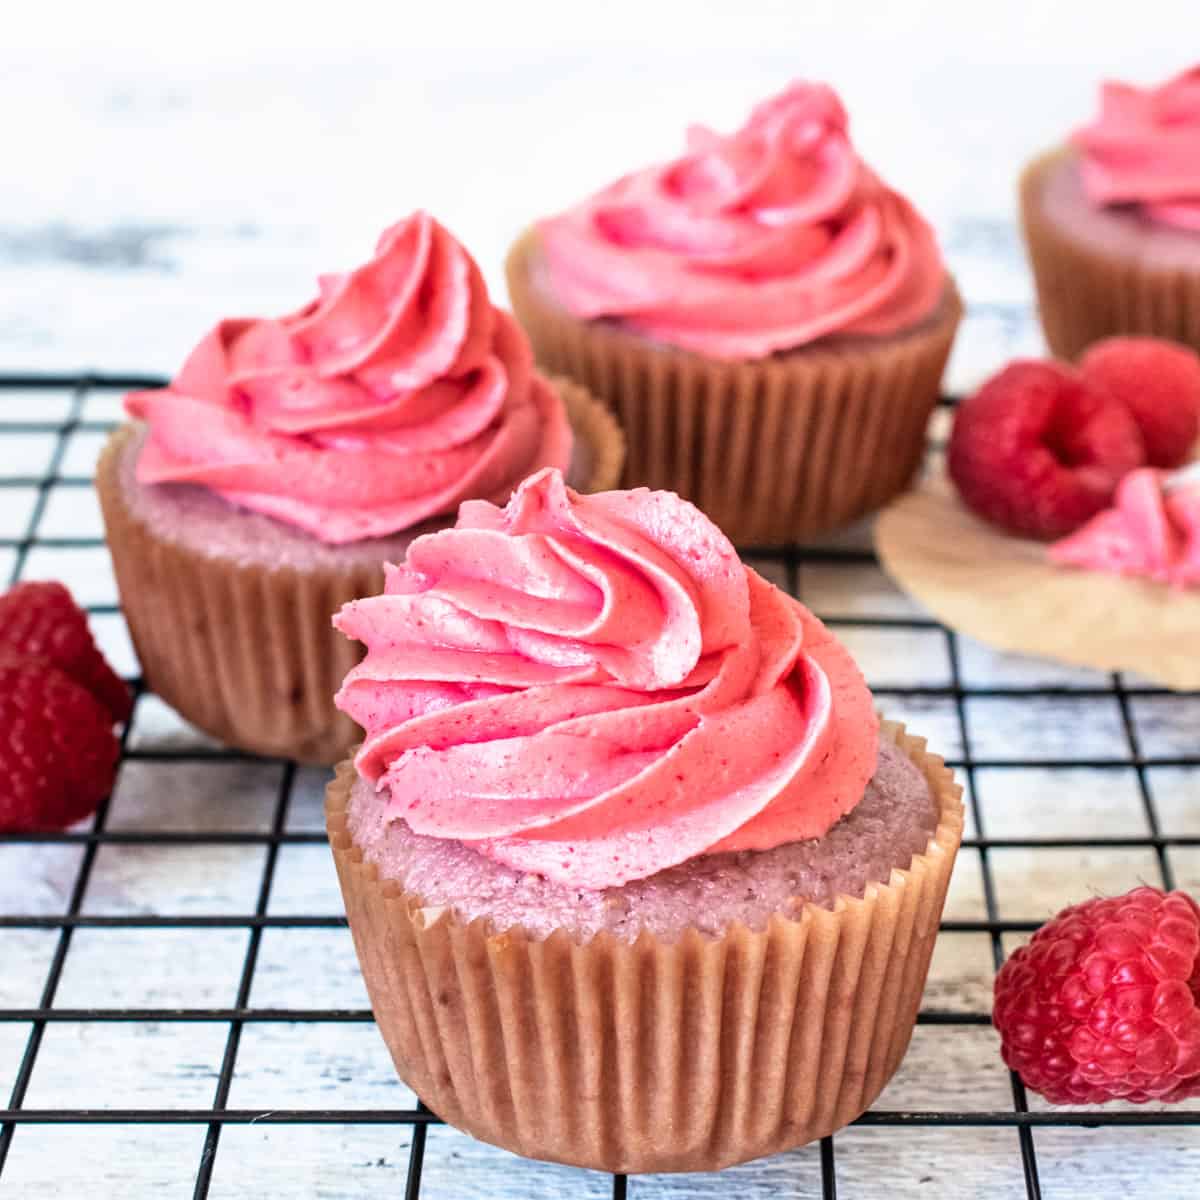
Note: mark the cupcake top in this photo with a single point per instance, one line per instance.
(595, 688)
(1143, 149)
(754, 242)
(1152, 530)
(894, 820)
(395, 394)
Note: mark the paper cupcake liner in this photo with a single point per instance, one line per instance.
(652, 1056)
(246, 651)
(596, 428)
(774, 450)
(1005, 592)
(1085, 294)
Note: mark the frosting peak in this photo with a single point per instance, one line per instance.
(594, 688)
(394, 395)
(1144, 148)
(753, 242)
(1150, 531)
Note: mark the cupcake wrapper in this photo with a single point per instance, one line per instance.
(652, 1056)
(1085, 294)
(772, 450)
(246, 651)
(243, 651)
(596, 427)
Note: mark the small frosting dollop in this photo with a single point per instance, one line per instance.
(751, 243)
(1144, 149)
(397, 393)
(595, 688)
(1151, 530)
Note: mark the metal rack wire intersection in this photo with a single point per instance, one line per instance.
(219, 1116)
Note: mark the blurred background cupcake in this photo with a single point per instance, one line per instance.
(769, 320)
(1112, 220)
(290, 458)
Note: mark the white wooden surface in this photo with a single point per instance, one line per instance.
(157, 191)
(163, 170)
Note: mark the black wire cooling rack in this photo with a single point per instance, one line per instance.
(71, 418)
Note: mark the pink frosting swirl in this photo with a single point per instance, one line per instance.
(1144, 149)
(394, 395)
(594, 688)
(763, 240)
(1149, 531)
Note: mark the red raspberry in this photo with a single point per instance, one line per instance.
(1104, 1002)
(1038, 451)
(41, 620)
(58, 755)
(1159, 382)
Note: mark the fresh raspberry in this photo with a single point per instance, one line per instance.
(1104, 1002)
(1038, 451)
(41, 620)
(1159, 382)
(58, 755)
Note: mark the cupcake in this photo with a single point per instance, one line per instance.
(769, 320)
(290, 458)
(1112, 220)
(636, 877)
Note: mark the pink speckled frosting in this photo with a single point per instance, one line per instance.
(751, 243)
(1149, 531)
(1144, 149)
(595, 688)
(396, 394)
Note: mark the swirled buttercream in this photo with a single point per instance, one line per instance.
(1144, 149)
(594, 688)
(1149, 531)
(751, 243)
(397, 393)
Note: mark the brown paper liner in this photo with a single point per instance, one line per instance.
(1085, 294)
(595, 426)
(773, 451)
(652, 1056)
(246, 651)
(1003, 590)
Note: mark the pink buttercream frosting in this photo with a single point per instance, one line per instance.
(595, 688)
(397, 393)
(1144, 149)
(1150, 531)
(751, 243)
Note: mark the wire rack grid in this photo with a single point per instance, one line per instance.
(90, 954)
